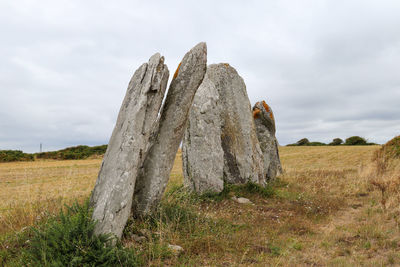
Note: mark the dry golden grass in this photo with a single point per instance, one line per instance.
(324, 212)
(29, 191)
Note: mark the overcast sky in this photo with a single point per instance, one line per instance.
(327, 68)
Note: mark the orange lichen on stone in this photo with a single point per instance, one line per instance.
(226, 65)
(177, 70)
(256, 113)
(271, 116)
(266, 106)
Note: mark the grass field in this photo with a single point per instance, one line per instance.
(322, 211)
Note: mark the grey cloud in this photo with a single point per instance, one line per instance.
(328, 69)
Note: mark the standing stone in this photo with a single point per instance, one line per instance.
(243, 160)
(221, 130)
(112, 196)
(202, 154)
(265, 125)
(158, 163)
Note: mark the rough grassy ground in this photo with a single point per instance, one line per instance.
(322, 211)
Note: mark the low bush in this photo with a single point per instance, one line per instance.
(316, 144)
(303, 142)
(69, 240)
(355, 141)
(14, 155)
(336, 142)
(77, 152)
(392, 148)
(306, 142)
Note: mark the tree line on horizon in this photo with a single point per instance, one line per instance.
(76, 152)
(351, 141)
(84, 152)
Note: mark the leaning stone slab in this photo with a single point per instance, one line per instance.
(157, 166)
(265, 125)
(112, 195)
(220, 143)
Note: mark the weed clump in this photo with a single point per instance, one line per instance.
(69, 240)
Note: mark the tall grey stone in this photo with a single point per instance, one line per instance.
(157, 166)
(202, 153)
(112, 195)
(221, 130)
(265, 125)
(243, 160)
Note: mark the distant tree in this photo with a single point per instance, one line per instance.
(336, 142)
(316, 144)
(355, 141)
(303, 142)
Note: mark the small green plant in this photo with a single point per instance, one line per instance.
(367, 245)
(275, 250)
(69, 240)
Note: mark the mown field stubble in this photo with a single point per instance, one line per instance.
(321, 211)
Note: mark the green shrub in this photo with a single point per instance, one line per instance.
(355, 141)
(303, 142)
(389, 150)
(69, 240)
(336, 142)
(76, 152)
(306, 142)
(393, 147)
(316, 144)
(14, 155)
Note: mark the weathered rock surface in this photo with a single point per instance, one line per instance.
(265, 125)
(159, 161)
(112, 196)
(241, 200)
(221, 129)
(202, 154)
(176, 250)
(242, 153)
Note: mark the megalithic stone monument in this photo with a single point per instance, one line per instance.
(157, 166)
(265, 126)
(111, 198)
